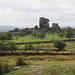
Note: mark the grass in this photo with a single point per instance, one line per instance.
(29, 38)
(42, 59)
(39, 60)
(60, 70)
(17, 71)
(69, 46)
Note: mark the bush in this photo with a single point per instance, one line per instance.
(12, 46)
(59, 44)
(4, 68)
(28, 47)
(69, 33)
(41, 35)
(20, 62)
(1, 68)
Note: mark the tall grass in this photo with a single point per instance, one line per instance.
(4, 68)
(1, 68)
(20, 62)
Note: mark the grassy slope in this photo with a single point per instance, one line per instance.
(29, 38)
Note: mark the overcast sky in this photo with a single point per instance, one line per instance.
(26, 13)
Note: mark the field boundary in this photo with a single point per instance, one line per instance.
(4, 54)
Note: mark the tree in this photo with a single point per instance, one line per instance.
(43, 31)
(41, 35)
(6, 36)
(3, 47)
(28, 47)
(36, 27)
(16, 30)
(12, 47)
(9, 36)
(59, 44)
(3, 37)
(69, 33)
(61, 34)
(22, 34)
(34, 34)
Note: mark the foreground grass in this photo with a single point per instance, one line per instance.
(60, 70)
(47, 70)
(17, 71)
(41, 59)
(54, 60)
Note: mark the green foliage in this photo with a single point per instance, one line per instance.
(9, 36)
(34, 34)
(43, 31)
(3, 47)
(69, 33)
(1, 68)
(59, 44)
(28, 47)
(41, 35)
(12, 46)
(61, 35)
(20, 62)
(4, 68)
(36, 27)
(22, 34)
(5, 36)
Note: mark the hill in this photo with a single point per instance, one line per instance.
(6, 28)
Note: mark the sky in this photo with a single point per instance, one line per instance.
(26, 13)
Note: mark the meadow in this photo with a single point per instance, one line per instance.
(56, 62)
(30, 38)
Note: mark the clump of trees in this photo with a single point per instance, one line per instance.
(10, 47)
(39, 34)
(59, 44)
(7, 36)
(69, 33)
(28, 47)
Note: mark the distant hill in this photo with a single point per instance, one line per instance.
(66, 26)
(6, 28)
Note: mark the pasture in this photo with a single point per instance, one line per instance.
(41, 60)
(30, 38)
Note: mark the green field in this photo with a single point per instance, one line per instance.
(57, 64)
(30, 38)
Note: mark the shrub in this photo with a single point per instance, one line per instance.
(1, 68)
(28, 47)
(12, 46)
(69, 33)
(20, 62)
(6, 68)
(59, 44)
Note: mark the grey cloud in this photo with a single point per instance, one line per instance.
(26, 11)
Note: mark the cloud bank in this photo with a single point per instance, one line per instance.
(26, 13)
